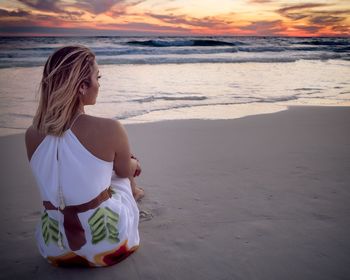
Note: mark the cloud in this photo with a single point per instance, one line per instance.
(205, 22)
(74, 13)
(24, 18)
(146, 27)
(173, 9)
(265, 28)
(58, 31)
(92, 6)
(172, 19)
(34, 20)
(343, 29)
(292, 12)
(102, 6)
(53, 6)
(308, 28)
(260, 1)
(317, 21)
(17, 13)
(305, 19)
(44, 5)
(96, 6)
(301, 7)
(326, 20)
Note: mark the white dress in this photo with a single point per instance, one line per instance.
(97, 224)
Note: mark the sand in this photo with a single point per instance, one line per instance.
(261, 197)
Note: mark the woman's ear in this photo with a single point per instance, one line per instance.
(82, 88)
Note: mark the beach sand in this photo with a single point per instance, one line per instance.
(261, 197)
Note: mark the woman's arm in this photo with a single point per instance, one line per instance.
(124, 165)
(122, 156)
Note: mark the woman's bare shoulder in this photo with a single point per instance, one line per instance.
(100, 124)
(33, 135)
(32, 139)
(101, 136)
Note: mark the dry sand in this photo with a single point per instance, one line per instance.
(262, 197)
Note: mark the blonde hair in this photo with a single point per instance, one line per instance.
(64, 72)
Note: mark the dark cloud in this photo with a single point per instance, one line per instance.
(28, 19)
(345, 30)
(96, 6)
(286, 10)
(59, 31)
(296, 16)
(266, 28)
(71, 15)
(118, 10)
(309, 28)
(131, 29)
(55, 6)
(173, 19)
(33, 20)
(141, 26)
(17, 13)
(52, 20)
(44, 5)
(93, 6)
(74, 13)
(122, 8)
(297, 12)
(326, 20)
(101, 6)
(207, 22)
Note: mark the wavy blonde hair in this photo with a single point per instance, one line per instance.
(64, 72)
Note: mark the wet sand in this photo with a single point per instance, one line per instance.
(261, 197)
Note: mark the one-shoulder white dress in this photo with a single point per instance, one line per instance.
(89, 215)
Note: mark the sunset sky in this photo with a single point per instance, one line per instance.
(175, 17)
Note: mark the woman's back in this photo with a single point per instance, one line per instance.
(94, 133)
(98, 222)
(65, 161)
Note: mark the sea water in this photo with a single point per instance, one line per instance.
(146, 79)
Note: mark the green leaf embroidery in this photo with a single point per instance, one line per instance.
(50, 229)
(103, 225)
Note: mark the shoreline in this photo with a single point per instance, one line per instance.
(180, 114)
(259, 197)
(260, 109)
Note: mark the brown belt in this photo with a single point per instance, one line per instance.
(72, 226)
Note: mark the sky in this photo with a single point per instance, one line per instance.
(175, 17)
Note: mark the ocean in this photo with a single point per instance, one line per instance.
(147, 79)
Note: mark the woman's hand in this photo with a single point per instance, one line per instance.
(136, 167)
(138, 170)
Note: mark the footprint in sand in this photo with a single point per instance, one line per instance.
(145, 215)
(32, 217)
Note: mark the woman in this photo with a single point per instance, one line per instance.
(90, 216)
